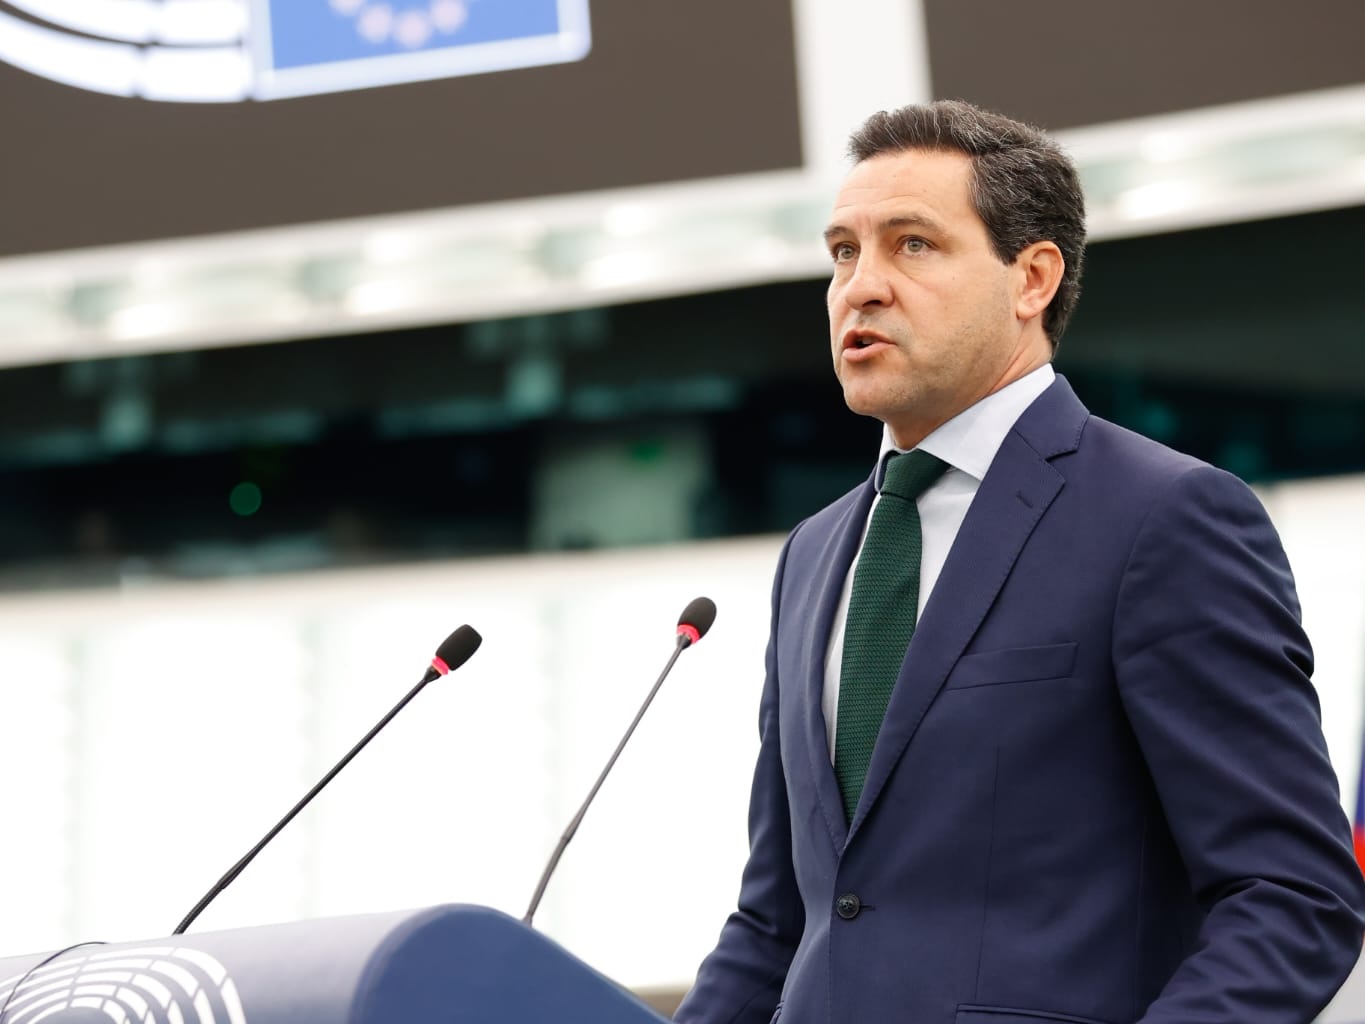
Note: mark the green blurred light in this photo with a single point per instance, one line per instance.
(647, 451)
(245, 499)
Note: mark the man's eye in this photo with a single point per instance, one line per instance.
(842, 252)
(914, 245)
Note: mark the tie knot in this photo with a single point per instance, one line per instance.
(910, 475)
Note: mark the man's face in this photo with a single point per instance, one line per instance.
(923, 315)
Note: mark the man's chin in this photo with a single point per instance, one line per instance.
(866, 401)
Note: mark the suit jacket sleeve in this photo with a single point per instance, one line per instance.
(1213, 668)
(740, 982)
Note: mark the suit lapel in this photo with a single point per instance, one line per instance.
(1015, 494)
(834, 559)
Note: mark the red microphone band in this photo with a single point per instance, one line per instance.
(438, 663)
(691, 632)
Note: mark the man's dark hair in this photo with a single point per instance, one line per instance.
(1024, 187)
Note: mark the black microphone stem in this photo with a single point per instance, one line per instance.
(684, 642)
(240, 866)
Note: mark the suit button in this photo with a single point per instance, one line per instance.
(848, 906)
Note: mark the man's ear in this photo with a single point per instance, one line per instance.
(1039, 268)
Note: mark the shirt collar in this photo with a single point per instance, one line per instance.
(968, 442)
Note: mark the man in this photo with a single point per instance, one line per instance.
(1092, 785)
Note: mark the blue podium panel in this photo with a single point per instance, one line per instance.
(464, 964)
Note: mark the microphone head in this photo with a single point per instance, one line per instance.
(456, 649)
(696, 619)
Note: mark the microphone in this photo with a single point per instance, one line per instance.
(454, 651)
(693, 624)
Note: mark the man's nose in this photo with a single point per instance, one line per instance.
(869, 284)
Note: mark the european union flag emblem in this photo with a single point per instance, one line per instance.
(312, 46)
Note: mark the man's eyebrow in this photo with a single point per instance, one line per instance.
(913, 220)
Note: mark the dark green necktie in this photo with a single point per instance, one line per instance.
(882, 610)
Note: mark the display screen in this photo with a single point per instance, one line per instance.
(1074, 63)
(190, 117)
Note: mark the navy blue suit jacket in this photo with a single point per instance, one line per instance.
(1100, 793)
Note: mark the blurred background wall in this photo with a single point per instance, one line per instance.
(309, 353)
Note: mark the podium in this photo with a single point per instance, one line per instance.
(459, 964)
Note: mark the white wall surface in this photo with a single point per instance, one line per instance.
(154, 734)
